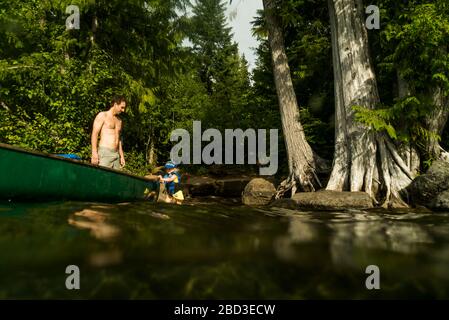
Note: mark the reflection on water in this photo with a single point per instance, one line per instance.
(95, 221)
(298, 232)
(219, 250)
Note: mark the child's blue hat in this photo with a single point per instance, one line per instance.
(170, 165)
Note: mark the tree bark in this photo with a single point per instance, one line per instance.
(94, 29)
(407, 151)
(301, 161)
(435, 123)
(364, 160)
(151, 150)
(92, 38)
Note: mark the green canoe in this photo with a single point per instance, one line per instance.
(35, 176)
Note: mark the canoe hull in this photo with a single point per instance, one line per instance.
(32, 176)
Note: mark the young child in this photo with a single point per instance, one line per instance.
(170, 180)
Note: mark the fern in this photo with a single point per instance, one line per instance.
(379, 120)
(403, 121)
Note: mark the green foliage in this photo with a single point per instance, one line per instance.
(427, 164)
(135, 163)
(54, 81)
(316, 131)
(415, 41)
(390, 120)
(376, 119)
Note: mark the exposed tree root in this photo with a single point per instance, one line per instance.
(394, 174)
(385, 175)
(298, 180)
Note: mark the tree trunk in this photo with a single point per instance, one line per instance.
(94, 29)
(435, 123)
(407, 151)
(301, 160)
(355, 85)
(364, 160)
(151, 150)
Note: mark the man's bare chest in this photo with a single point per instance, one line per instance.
(112, 124)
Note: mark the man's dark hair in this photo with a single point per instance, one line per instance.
(117, 99)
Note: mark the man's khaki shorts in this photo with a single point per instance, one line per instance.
(109, 158)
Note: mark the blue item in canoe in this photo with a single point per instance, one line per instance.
(69, 156)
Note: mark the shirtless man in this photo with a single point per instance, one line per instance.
(108, 125)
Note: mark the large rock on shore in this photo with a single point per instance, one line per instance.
(440, 202)
(429, 189)
(326, 200)
(258, 192)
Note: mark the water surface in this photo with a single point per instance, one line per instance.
(219, 250)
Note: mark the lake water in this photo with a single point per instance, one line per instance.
(218, 249)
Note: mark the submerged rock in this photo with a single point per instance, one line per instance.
(429, 189)
(258, 192)
(326, 200)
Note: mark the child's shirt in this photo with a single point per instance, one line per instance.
(170, 186)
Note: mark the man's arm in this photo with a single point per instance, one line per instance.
(120, 145)
(120, 152)
(98, 124)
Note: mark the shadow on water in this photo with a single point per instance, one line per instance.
(219, 250)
